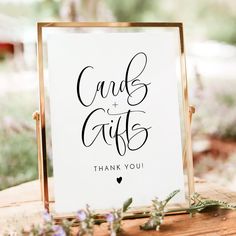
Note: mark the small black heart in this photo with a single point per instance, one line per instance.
(119, 180)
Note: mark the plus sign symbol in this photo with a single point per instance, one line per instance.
(115, 104)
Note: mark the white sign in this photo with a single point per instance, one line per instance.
(115, 118)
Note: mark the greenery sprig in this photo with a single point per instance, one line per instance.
(200, 204)
(157, 213)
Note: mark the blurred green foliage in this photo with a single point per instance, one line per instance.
(216, 109)
(47, 8)
(18, 149)
(131, 10)
(202, 19)
(18, 159)
(209, 19)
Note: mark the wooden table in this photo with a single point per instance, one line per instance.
(21, 205)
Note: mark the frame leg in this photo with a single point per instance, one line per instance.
(36, 117)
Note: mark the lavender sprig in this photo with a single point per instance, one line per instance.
(115, 217)
(86, 222)
(48, 227)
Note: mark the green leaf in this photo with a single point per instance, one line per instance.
(126, 204)
(170, 196)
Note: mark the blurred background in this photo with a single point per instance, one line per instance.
(210, 38)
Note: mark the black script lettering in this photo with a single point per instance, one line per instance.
(136, 85)
(136, 90)
(121, 128)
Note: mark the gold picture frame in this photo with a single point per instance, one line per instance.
(40, 116)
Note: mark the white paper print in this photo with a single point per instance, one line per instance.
(115, 118)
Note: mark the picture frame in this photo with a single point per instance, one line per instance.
(40, 117)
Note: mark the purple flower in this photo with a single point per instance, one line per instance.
(81, 215)
(110, 218)
(58, 230)
(47, 217)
